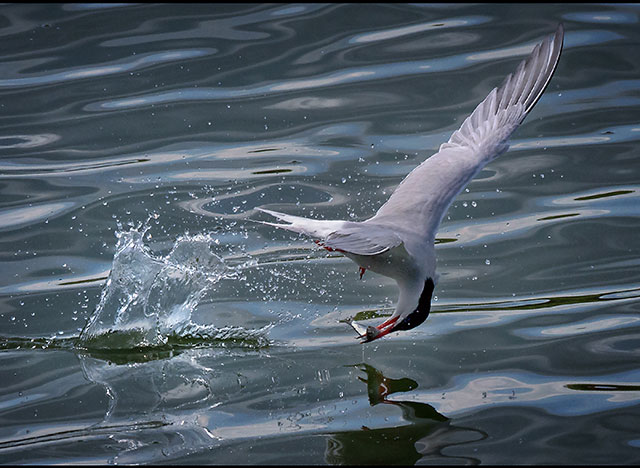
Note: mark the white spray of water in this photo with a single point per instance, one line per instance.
(149, 299)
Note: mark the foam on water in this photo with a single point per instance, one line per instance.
(148, 299)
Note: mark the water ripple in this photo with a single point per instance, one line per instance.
(104, 69)
(344, 76)
(472, 392)
(26, 141)
(591, 325)
(394, 33)
(598, 17)
(588, 206)
(22, 216)
(501, 312)
(228, 27)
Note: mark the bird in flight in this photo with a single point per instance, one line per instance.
(398, 241)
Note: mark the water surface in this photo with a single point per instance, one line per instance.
(145, 317)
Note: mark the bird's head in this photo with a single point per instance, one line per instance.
(411, 320)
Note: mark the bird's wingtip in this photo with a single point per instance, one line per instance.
(271, 212)
(559, 34)
(277, 214)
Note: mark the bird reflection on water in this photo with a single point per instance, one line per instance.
(162, 389)
(424, 437)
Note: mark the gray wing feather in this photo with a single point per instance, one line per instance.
(422, 198)
(420, 201)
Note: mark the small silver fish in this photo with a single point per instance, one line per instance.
(369, 333)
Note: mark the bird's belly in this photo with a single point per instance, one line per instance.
(394, 263)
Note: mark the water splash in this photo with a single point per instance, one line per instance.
(148, 299)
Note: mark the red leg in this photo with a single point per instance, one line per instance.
(362, 270)
(330, 249)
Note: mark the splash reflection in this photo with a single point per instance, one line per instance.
(160, 395)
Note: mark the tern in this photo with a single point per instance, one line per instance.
(399, 240)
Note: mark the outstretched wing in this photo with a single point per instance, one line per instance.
(422, 198)
(344, 236)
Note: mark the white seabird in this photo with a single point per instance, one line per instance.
(398, 241)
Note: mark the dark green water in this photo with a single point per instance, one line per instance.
(138, 140)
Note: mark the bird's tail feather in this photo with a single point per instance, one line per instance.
(312, 227)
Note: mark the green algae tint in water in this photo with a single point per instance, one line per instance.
(201, 336)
